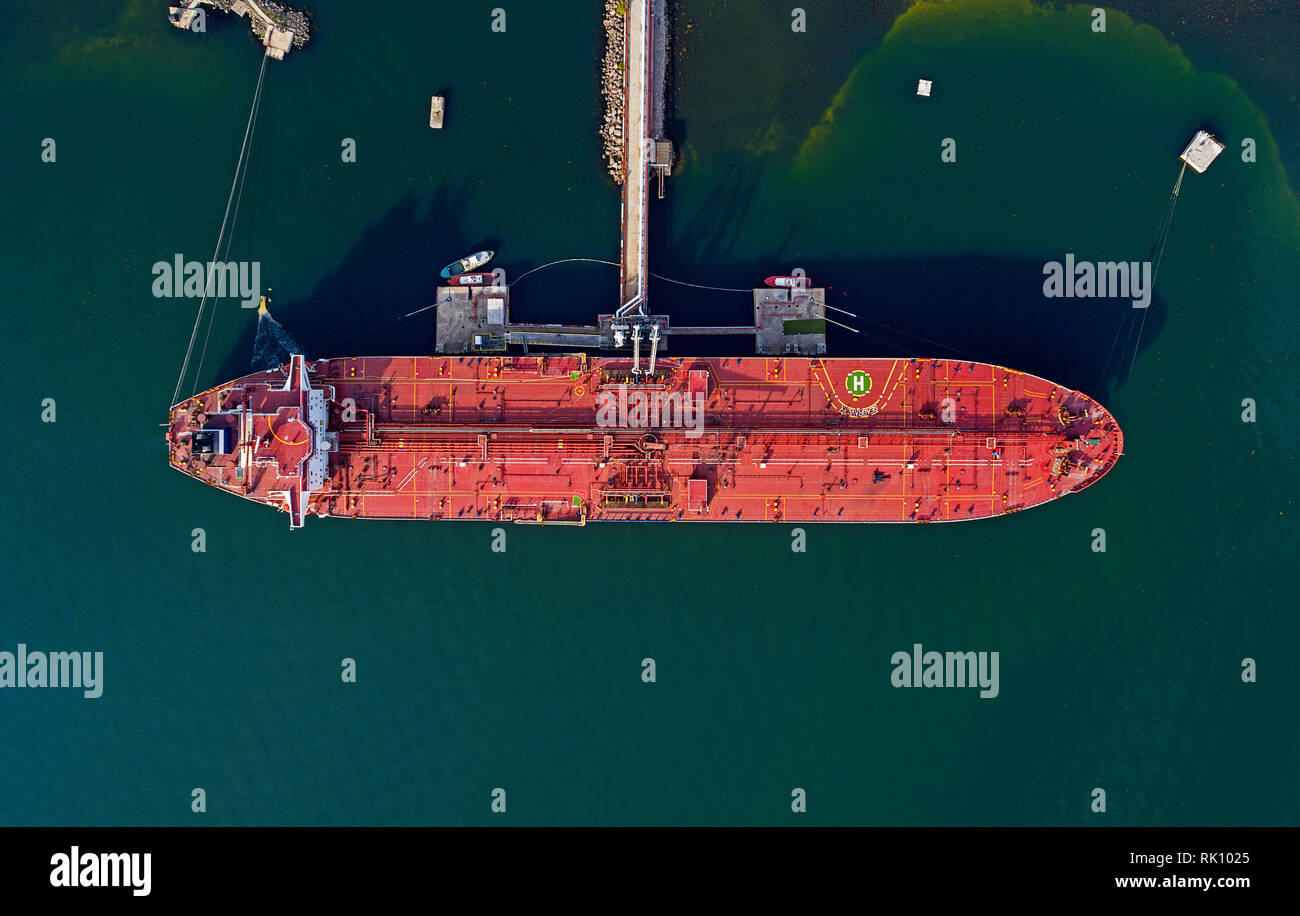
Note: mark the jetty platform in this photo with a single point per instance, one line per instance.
(477, 319)
(637, 110)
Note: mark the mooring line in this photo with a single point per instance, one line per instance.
(230, 237)
(563, 261)
(1162, 241)
(721, 289)
(234, 184)
(386, 323)
(918, 337)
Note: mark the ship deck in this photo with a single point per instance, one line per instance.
(778, 439)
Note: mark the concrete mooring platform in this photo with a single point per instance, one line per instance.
(790, 321)
(472, 319)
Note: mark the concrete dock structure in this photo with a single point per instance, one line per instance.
(790, 321)
(477, 319)
(1201, 151)
(472, 319)
(638, 146)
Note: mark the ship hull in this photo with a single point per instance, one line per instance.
(571, 439)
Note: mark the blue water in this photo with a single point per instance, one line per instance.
(522, 670)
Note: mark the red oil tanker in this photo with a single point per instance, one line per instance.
(567, 439)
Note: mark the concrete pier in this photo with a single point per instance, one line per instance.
(637, 138)
(477, 319)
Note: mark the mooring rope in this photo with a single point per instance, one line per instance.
(386, 323)
(564, 261)
(720, 289)
(234, 185)
(917, 336)
(230, 237)
(1156, 252)
(1160, 255)
(727, 289)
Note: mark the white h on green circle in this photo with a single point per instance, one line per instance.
(857, 382)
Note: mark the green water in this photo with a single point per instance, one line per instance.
(522, 670)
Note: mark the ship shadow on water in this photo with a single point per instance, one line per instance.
(987, 309)
(970, 308)
(357, 308)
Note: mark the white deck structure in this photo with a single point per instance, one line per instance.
(1201, 151)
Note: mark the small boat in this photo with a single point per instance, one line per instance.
(789, 282)
(472, 262)
(435, 112)
(472, 280)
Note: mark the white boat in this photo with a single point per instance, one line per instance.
(435, 112)
(467, 264)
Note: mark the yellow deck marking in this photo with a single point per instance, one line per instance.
(271, 429)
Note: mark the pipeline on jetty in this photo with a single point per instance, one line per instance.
(277, 27)
(611, 85)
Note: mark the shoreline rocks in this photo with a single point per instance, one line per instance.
(612, 87)
(283, 17)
